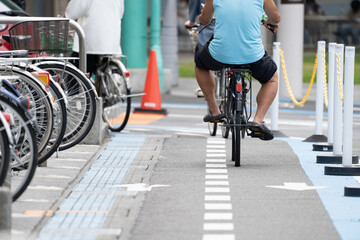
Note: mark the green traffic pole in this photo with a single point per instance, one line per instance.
(155, 37)
(134, 33)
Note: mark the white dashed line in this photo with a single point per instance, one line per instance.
(216, 177)
(216, 170)
(218, 216)
(216, 190)
(217, 183)
(217, 205)
(215, 146)
(219, 226)
(216, 165)
(219, 236)
(215, 160)
(217, 198)
(215, 155)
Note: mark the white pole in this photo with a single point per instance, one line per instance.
(291, 38)
(337, 146)
(331, 75)
(275, 104)
(348, 105)
(319, 89)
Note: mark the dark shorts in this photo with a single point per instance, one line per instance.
(262, 70)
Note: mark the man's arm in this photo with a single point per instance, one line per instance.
(77, 8)
(272, 12)
(207, 13)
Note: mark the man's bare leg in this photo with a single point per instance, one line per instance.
(265, 98)
(206, 82)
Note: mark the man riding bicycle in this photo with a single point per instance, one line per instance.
(237, 41)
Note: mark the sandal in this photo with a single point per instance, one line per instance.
(260, 131)
(210, 118)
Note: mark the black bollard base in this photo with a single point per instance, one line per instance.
(316, 138)
(334, 159)
(342, 170)
(352, 191)
(323, 147)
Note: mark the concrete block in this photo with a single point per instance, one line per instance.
(99, 130)
(5, 213)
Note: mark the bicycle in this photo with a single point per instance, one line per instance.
(24, 150)
(233, 102)
(113, 86)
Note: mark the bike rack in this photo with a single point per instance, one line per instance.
(74, 25)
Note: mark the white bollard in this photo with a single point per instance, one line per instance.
(275, 104)
(331, 74)
(348, 105)
(337, 146)
(319, 89)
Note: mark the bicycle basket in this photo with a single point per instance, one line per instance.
(40, 36)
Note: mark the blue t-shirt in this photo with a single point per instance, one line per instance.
(237, 36)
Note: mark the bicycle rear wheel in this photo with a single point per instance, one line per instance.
(116, 104)
(237, 131)
(81, 97)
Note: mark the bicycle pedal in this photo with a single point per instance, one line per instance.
(256, 134)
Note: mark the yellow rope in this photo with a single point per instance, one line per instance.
(324, 78)
(339, 76)
(288, 84)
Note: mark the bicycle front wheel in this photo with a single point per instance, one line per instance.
(116, 103)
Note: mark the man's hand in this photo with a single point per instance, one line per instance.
(189, 24)
(271, 26)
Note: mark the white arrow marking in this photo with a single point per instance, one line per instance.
(139, 187)
(297, 187)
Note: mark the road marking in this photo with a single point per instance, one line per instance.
(215, 155)
(215, 150)
(216, 165)
(357, 179)
(216, 190)
(219, 237)
(45, 188)
(138, 187)
(34, 200)
(215, 160)
(217, 183)
(297, 186)
(215, 146)
(216, 177)
(69, 159)
(53, 176)
(219, 226)
(65, 167)
(218, 216)
(216, 170)
(218, 206)
(217, 198)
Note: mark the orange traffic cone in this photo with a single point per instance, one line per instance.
(151, 101)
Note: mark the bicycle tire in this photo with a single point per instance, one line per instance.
(116, 104)
(82, 100)
(24, 154)
(4, 153)
(237, 134)
(40, 100)
(60, 116)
